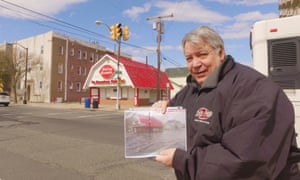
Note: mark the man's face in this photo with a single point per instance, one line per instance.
(202, 60)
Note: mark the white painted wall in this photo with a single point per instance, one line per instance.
(37, 58)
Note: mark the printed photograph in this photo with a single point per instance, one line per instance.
(148, 131)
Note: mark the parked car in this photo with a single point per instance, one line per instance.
(4, 98)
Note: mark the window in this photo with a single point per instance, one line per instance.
(79, 70)
(60, 68)
(19, 85)
(42, 49)
(84, 55)
(71, 86)
(29, 68)
(20, 54)
(61, 50)
(72, 52)
(92, 57)
(78, 87)
(41, 84)
(79, 54)
(97, 57)
(59, 86)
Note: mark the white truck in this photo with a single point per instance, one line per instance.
(275, 45)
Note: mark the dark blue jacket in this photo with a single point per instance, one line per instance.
(240, 125)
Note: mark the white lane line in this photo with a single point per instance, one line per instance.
(92, 115)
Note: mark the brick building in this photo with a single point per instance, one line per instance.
(57, 67)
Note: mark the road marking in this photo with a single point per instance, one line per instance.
(59, 113)
(8, 114)
(92, 115)
(11, 114)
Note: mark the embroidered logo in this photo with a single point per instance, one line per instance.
(203, 114)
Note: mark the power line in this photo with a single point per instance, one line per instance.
(83, 32)
(61, 23)
(52, 18)
(172, 61)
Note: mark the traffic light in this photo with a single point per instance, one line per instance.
(125, 33)
(112, 29)
(118, 30)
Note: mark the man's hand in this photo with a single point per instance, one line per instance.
(162, 105)
(166, 157)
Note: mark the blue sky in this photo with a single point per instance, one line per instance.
(233, 19)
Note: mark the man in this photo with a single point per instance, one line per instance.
(240, 125)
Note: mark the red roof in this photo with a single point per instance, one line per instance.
(150, 122)
(144, 75)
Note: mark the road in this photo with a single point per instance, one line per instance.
(44, 143)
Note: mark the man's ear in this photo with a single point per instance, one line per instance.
(222, 53)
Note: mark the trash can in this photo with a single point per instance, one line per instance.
(87, 103)
(95, 103)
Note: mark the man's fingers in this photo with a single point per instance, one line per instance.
(161, 105)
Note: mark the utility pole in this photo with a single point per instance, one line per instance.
(118, 71)
(158, 25)
(25, 82)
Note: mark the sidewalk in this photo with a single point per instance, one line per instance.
(80, 106)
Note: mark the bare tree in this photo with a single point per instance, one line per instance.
(17, 70)
(12, 69)
(5, 80)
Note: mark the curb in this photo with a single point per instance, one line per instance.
(77, 106)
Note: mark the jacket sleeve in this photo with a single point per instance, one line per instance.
(258, 134)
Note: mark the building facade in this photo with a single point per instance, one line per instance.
(57, 67)
(137, 82)
(289, 8)
(177, 77)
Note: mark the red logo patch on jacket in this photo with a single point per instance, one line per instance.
(203, 114)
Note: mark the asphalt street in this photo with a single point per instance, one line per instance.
(68, 142)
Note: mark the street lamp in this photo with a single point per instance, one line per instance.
(26, 67)
(118, 39)
(99, 23)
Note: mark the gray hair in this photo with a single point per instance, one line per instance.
(206, 34)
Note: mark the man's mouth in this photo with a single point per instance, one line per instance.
(200, 72)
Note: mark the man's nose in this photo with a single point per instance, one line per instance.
(196, 62)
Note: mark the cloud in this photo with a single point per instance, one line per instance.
(254, 16)
(242, 24)
(15, 8)
(246, 2)
(186, 11)
(237, 27)
(135, 11)
(190, 11)
(193, 11)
